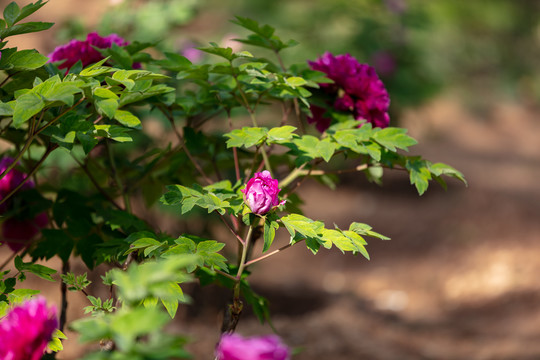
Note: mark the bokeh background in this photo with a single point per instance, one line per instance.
(459, 280)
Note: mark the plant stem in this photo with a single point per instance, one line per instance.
(232, 230)
(271, 253)
(186, 150)
(63, 289)
(30, 174)
(116, 177)
(242, 264)
(95, 183)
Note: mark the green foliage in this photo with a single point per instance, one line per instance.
(75, 283)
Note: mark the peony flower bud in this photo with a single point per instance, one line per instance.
(261, 193)
(235, 347)
(26, 330)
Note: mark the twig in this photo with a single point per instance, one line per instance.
(232, 230)
(30, 174)
(251, 262)
(63, 289)
(96, 185)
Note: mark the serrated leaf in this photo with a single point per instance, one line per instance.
(282, 133)
(439, 169)
(392, 138)
(246, 137)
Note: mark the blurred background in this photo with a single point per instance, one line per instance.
(459, 278)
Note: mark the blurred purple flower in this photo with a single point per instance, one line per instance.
(17, 232)
(384, 62)
(191, 52)
(84, 51)
(26, 330)
(235, 347)
(396, 6)
(356, 89)
(261, 193)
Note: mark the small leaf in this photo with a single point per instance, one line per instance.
(127, 119)
(11, 12)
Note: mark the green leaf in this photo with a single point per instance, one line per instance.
(439, 169)
(105, 93)
(126, 118)
(303, 225)
(24, 28)
(56, 344)
(265, 31)
(392, 138)
(11, 12)
(114, 132)
(106, 107)
(419, 173)
(295, 81)
(282, 133)
(29, 10)
(27, 60)
(7, 109)
(36, 269)
(246, 137)
(269, 231)
(27, 106)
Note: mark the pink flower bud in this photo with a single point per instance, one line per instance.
(235, 347)
(261, 193)
(26, 330)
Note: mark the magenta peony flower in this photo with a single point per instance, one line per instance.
(77, 50)
(235, 347)
(26, 330)
(356, 89)
(16, 232)
(261, 193)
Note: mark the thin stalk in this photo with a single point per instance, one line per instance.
(183, 145)
(8, 260)
(63, 289)
(242, 264)
(240, 240)
(251, 262)
(116, 177)
(30, 174)
(96, 185)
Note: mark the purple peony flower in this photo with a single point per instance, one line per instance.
(16, 232)
(261, 193)
(77, 50)
(26, 330)
(356, 89)
(235, 347)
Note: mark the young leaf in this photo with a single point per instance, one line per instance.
(270, 227)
